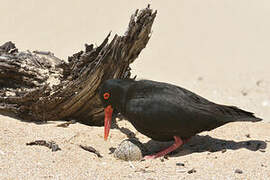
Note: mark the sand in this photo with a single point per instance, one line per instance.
(19, 161)
(218, 49)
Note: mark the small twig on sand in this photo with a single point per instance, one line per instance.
(92, 150)
(52, 145)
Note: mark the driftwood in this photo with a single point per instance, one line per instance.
(37, 86)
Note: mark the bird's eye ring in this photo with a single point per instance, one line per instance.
(106, 95)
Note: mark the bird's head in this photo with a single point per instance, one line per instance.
(112, 93)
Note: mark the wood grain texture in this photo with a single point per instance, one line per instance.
(37, 86)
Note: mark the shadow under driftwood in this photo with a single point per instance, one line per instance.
(206, 143)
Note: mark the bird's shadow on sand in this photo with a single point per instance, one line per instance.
(126, 131)
(199, 143)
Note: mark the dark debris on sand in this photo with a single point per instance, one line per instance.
(66, 124)
(50, 144)
(180, 164)
(192, 171)
(238, 171)
(92, 150)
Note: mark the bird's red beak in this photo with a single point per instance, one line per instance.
(107, 122)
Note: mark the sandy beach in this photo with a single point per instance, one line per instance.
(217, 49)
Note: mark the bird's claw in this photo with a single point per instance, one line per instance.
(150, 157)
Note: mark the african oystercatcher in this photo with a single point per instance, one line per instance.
(165, 112)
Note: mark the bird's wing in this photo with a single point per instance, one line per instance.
(221, 113)
(169, 107)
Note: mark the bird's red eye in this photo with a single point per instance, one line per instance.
(106, 95)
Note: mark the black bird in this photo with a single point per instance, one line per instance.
(165, 112)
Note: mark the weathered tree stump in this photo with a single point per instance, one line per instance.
(37, 86)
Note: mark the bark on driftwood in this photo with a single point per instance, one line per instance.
(37, 86)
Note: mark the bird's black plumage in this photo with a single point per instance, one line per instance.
(162, 111)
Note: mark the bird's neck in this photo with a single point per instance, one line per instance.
(120, 102)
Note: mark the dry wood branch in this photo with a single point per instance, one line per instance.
(37, 86)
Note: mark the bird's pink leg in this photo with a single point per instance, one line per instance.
(177, 143)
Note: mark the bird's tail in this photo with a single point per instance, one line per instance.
(240, 115)
(251, 119)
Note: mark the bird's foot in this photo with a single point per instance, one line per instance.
(177, 143)
(150, 157)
